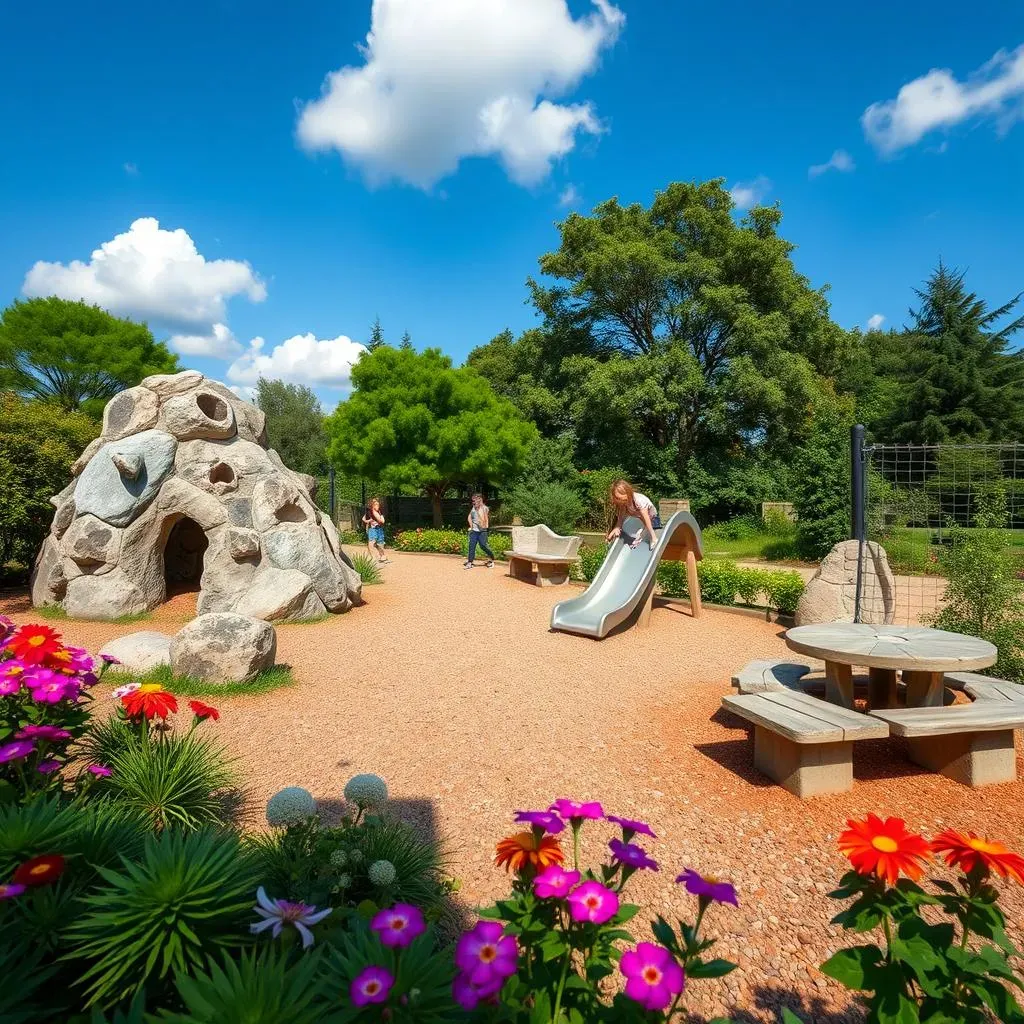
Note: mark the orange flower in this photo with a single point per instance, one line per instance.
(40, 870)
(149, 699)
(967, 850)
(203, 711)
(33, 644)
(884, 848)
(515, 852)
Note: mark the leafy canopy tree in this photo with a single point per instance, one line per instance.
(295, 424)
(413, 420)
(75, 354)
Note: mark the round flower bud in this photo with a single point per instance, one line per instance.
(290, 806)
(366, 790)
(344, 881)
(356, 856)
(382, 873)
(339, 858)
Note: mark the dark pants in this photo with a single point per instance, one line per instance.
(479, 537)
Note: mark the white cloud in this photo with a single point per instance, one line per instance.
(244, 392)
(156, 275)
(568, 196)
(938, 100)
(840, 160)
(447, 79)
(302, 359)
(220, 343)
(746, 194)
(875, 322)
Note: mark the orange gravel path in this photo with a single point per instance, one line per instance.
(449, 685)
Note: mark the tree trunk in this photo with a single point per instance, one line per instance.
(435, 504)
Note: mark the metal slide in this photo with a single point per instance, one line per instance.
(623, 582)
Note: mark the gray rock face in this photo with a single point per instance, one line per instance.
(830, 595)
(191, 501)
(223, 647)
(139, 652)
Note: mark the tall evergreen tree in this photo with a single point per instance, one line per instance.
(376, 336)
(406, 342)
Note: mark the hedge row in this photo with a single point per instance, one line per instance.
(447, 542)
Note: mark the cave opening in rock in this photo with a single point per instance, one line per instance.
(183, 556)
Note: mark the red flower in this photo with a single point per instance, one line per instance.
(884, 848)
(34, 644)
(203, 711)
(40, 870)
(967, 850)
(150, 699)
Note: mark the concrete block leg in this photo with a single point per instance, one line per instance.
(521, 569)
(881, 688)
(552, 575)
(839, 684)
(804, 769)
(973, 758)
(924, 689)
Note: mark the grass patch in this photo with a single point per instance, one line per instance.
(189, 686)
(311, 621)
(56, 613)
(759, 547)
(369, 571)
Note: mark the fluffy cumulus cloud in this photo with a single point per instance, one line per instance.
(875, 322)
(746, 194)
(302, 359)
(447, 79)
(569, 196)
(152, 274)
(840, 160)
(938, 100)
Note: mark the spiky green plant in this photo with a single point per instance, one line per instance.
(417, 862)
(163, 914)
(369, 571)
(21, 999)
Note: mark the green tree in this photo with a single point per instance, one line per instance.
(39, 441)
(376, 336)
(406, 341)
(415, 421)
(295, 424)
(75, 354)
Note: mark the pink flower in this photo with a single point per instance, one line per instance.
(11, 889)
(593, 902)
(109, 659)
(485, 954)
(16, 751)
(653, 978)
(51, 733)
(399, 925)
(630, 827)
(555, 881)
(12, 673)
(574, 812)
(468, 995)
(371, 985)
(550, 823)
(49, 687)
(99, 770)
(277, 913)
(48, 766)
(708, 888)
(631, 855)
(7, 628)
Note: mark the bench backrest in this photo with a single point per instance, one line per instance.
(543, 541)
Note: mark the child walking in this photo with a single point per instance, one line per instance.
(479, 520)
(628, 502)
(373, 520)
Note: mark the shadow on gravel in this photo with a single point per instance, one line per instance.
(809, 1009)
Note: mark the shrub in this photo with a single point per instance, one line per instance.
(597, 484)
(590, 562)
(784, 590)
(447, 542)
(721, 582)
(369, 571)
(742, 527)
(556, 505)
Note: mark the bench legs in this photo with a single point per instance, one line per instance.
(839, 684)
(924, 689)
(973, 758)
(804, 769)
(520, 569)
(551, 575)
(881, 688)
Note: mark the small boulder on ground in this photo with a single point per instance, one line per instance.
(139, 652)
(830, 595)
(224, 647)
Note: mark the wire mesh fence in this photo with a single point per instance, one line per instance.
(920, 502)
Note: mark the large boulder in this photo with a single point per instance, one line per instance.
(224, 647)
(830, 595)
(139, 652)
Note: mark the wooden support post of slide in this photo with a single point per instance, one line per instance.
(644, 618)
(692, 583)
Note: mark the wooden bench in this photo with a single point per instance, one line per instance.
(540, 556)
(769, 675)
(985, 688)
(971, 743)
(803, 743)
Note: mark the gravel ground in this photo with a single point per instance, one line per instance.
(448, 683)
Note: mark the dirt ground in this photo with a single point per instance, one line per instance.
(448, 683)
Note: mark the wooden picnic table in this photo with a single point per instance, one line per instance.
(923, 655)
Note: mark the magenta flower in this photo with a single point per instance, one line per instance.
(277, 913)
(49, 687)
(12, 672)
(486, 955)
(574, 812)
(11, 889)
(555, 882)
(631, 855)
(50, 733)
(7, 628)
(99, 770)
(109, 659)
(81, 661)
(653, 978)
(399, 925)
(630, 827)
(708, 888)
(469, 996)
(16, 751)
(593, 902)
(48, 767)
(371, 985)
(551, 823)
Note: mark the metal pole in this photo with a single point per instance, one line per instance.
(857, 518)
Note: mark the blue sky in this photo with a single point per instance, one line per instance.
(426, 182)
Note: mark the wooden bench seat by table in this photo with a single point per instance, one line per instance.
(803, 743)
(971, 743)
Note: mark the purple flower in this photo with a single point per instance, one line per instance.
(48, 766)
(100, 770)
(50, 733)
(371, 985)
(708, 888)
(7, 628)
(11, 889)
(468, 995)
(574, 812)
(593, 902)
(631, 855)
(80, 660)
(277, 913)
(9, 685)
(12, 672)
(551, 823)
(49, 687)
(486, 955)
(631, 828)
(554, 881)
(398, 925)
(653, 978)
(16, 751)
(109, 659)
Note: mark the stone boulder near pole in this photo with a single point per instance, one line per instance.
(830, 594)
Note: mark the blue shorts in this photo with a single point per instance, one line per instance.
(375, 534)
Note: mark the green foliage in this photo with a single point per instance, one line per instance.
(368, 569)
(589, 564)
(75, 354)
(556, 505)
(447, 542)
(275, 678)
(415, 421)
(376, 336)
(164, 913)
(596, 485)
(38, 443)
(295, 424)
(20, 1002)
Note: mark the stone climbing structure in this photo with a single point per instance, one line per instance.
(179, 489)
(830, 594)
